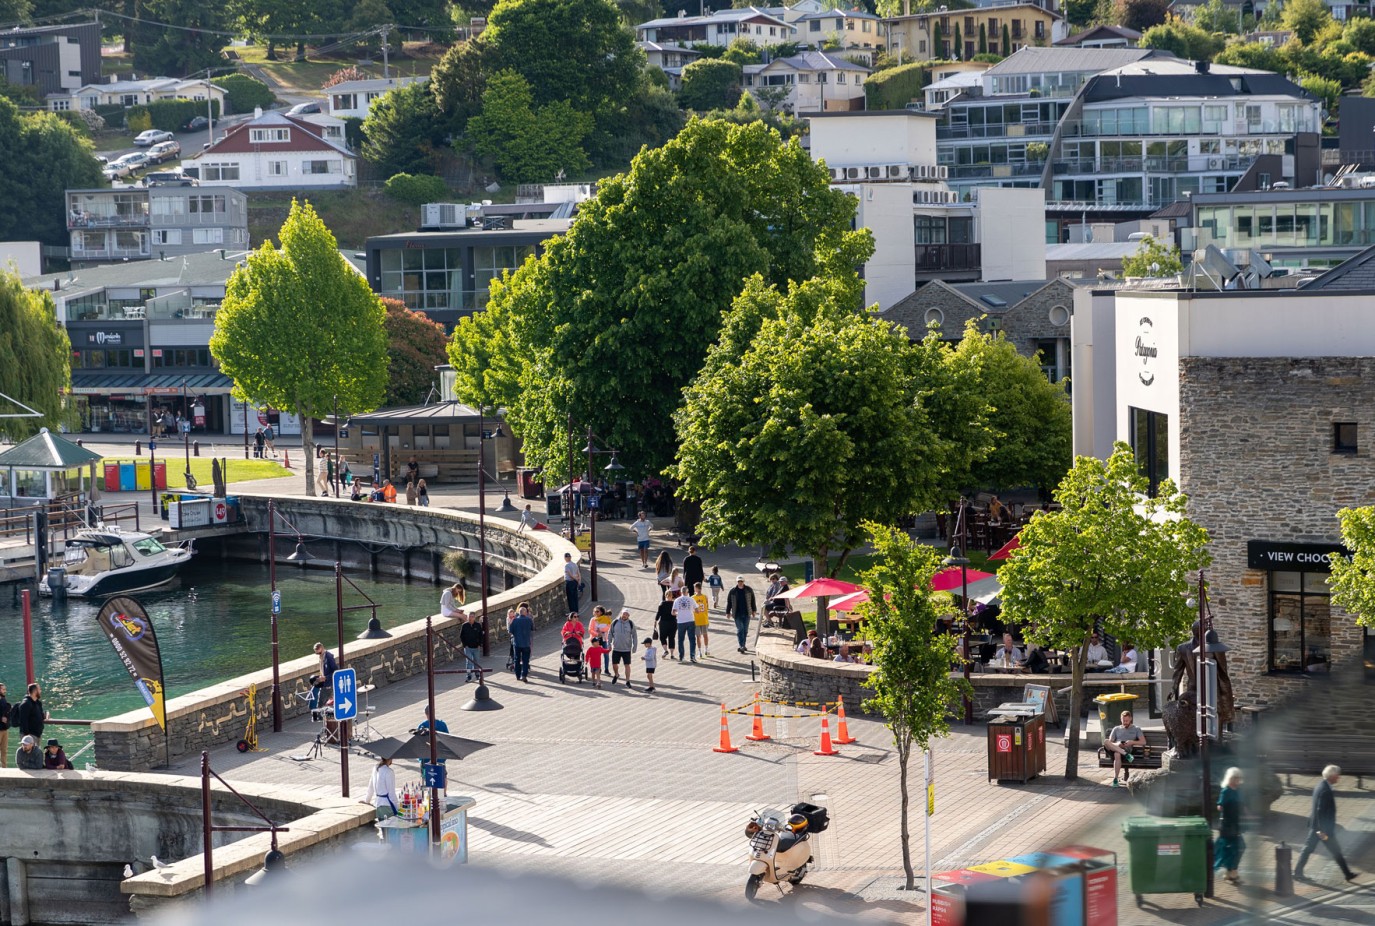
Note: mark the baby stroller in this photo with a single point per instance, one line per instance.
(571, 663)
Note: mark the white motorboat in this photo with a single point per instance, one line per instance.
(104, 561)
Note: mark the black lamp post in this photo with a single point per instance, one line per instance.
(482, 438)
(1206, 643)
(339, 609)
(299, 555)
(186, 435)
(594, 505)
(957, 558)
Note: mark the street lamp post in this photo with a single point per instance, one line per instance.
(299, 555)
(336, 446)
(594, 505)
(957, 558)
(482, 438)
(1206, 643)
(186, 434)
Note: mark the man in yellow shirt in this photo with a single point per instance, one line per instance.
(700, 618)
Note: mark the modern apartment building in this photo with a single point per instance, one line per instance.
(137, 223)
(51, 59)
(1295, 229)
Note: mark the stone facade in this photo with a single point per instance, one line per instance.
(1256, 460)
(216, 715)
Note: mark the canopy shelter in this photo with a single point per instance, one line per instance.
(46, 466)
(443, 437)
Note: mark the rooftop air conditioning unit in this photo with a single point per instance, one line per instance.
(942, 172)
(875, 173)
(443, 215)
(895, 171)
(921, 171)
(852, 173)
(837, 173)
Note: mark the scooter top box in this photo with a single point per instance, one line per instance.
(818, 818)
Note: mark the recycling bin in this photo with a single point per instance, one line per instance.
(143, 475)
(128, 480)
(1013, 746)
(1167, 855)
(159, 475)
(529, 482)
(1110, 708)
(111, 477)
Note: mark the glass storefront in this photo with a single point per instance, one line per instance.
(1300, 622)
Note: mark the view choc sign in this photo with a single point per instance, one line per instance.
(1292, 557)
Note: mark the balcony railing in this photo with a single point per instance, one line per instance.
(110, 253)
(1080, 129)
(1151, 165)
(117, 220)
(1006, 130)
(934, 257)
(995, 171)
(189, 313)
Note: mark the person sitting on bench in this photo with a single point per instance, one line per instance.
(1119, 744)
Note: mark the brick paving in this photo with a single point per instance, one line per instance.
(580, 779)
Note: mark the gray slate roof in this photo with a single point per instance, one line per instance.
(420, 414)
(1354, 275)
(1009, 293)
(46, 450)
(1036, 60)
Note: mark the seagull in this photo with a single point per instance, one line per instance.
(157, 862)
(128, 871)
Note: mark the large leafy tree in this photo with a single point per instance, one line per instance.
(1153, 259)
(912, 682)
(404, 131)
(1353, 580)
(300, 328)
(712, 83)
(614, 319)
(415, 346)
(1111, 557)
(1029, 415)
(197, 45)
(1308, 20)
(528, 145)
(44, 156)
(811, 417)
(35, 359)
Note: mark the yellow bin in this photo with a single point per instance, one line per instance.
(143, 474)
(1110, 708)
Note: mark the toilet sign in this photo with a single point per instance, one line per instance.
(345, 693)
(276, 602)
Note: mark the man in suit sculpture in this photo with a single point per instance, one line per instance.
(1322, 824)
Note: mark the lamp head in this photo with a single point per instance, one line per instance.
(482, 699)
(274, 860)
(374, 631)
(590, 448)
(300, 555)
(615, 465)
(956, 558)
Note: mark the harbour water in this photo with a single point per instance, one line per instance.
(212, 624)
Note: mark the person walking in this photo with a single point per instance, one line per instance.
(666, 623)
(382, 790)
(470, 635)
(422, 493)
(701, 619)
(623, 644)
(411, 496)
(741, 608)
(687, 628)
(28, 757)
(270, 439)
(522, 638)
(29, 717)
(5, 708)
(694, 573)
(1322, 824)
(717, 586)
(1229, 846)
(572, 580)
(259, 440)
(651, 658)
(663, 569)
(641, 527)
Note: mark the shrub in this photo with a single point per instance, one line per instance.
(140, 121)
(896, 87)
(168, 115)
(243, 93)
(114, 115)
(416, 189)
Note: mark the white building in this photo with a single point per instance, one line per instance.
(721, 27)
(128, 93)
(275, 151)
(354, 98)
(670, 58)
(815, 81)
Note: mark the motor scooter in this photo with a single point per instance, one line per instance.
(781, 845)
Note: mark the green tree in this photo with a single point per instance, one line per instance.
(1216, 16)
(662, 250)
(44, 157)
(1353, 580)
(1182, 40)
(959, 45)
(1110, 559)
(912, 682)
(415, 346)
(1153, 259)
(13, 11)
(798, 447)
(416, 189)
(300, 327)
(1251, 55)
(35, 359)
(458, 80)
(1029, 415)
(1006, 47)
(196, 45)
(243, 93)
(710, 85)
(1141, 14)
(742, 51)
(937, 41)
(404, 131)
(1361, 34)
(1329, 91)
(983, 38)
(1307, 19)
(528, 145)
(1080, 12)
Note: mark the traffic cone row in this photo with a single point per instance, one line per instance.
(725, 745)
(758, 735)
(843, 736)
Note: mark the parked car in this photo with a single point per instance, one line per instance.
(169, 178)
(195, 124)
(164, 151)
(151, 137)
(116, 170)
(134, 160)
(303, 109)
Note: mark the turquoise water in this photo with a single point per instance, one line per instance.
(212, 624)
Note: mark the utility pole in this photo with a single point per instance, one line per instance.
(386, 67)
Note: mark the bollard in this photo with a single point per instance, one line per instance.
(78, 442)
(1284, 870)
(138, 448)
(195, 448)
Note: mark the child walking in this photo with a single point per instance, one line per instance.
(716, 584)
(651, 658)
(595, 654)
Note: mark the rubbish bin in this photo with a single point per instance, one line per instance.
(1012, 747)
(1167, 855)
(531, 486)
(1110, 708)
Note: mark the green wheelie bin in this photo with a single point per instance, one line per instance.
(1167, 855)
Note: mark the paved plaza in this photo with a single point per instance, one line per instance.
(582, 782)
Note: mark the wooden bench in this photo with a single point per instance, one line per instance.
(1308, 754)
(1147, 756)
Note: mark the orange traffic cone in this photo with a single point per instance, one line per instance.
(826, 748)
(725, 734)
(286, 459)
(758, 735)
(843, 736)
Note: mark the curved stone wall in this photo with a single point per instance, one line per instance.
(789, 676)
(216, 715)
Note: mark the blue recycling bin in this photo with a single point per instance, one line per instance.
(128, 477)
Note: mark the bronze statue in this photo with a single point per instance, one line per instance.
(1186, 664)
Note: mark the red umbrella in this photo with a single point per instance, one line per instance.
(950, 579)
(851, 601)
(821, 588)
(1006, 549)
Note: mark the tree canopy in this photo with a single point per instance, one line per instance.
(44, 158)
(614, 319)
(1153, 259)
(1111, 558)
(300, 327)
(415, 346)
(35, 359)
(710, 84)
(1353, 580)
(404, 130)
(525, 144)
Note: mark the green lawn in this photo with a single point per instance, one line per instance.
(352, 215)
(310, 75)
(238, 470)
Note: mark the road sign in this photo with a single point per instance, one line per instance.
(433, 775)
(276, 601)
(152, 445)
(594, 502)
(345, 688)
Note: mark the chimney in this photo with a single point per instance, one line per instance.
(906, 7)
(1202, 66)
(257, 112)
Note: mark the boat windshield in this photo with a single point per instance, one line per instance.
(148, 546)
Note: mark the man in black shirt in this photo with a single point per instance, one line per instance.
(470, 636)
(1322, 824)
(693, 573)
(28, 718)
(5, 707)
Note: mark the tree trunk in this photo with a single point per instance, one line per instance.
(307, 449)
(822, 557)
(1076, 698)
(271, 50)
(905, 754)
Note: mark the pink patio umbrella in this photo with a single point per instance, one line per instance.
(821, 588)
(851, 601)
(948, 580)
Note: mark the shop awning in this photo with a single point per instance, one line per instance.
(88, 383)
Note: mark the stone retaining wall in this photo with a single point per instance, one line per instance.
(216, 715)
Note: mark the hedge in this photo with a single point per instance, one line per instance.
(416, 189)
(170, 115)
(243, 94)
(896, 87)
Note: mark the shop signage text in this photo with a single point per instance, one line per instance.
(1292, 557)
(1147, 350)
(113, 338)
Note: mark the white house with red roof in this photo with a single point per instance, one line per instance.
(276, 151)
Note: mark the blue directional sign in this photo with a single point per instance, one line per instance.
(276, 601)
(345, 693)
(433, 775)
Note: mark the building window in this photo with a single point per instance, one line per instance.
(1052, 351)
(276, 168)
(320, 167)
(221, 172)
(166, 236)
(1040, 29)
(207, 235)
(1300, 622)
(1344, 437)
(1150, 440)
(261, 136)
